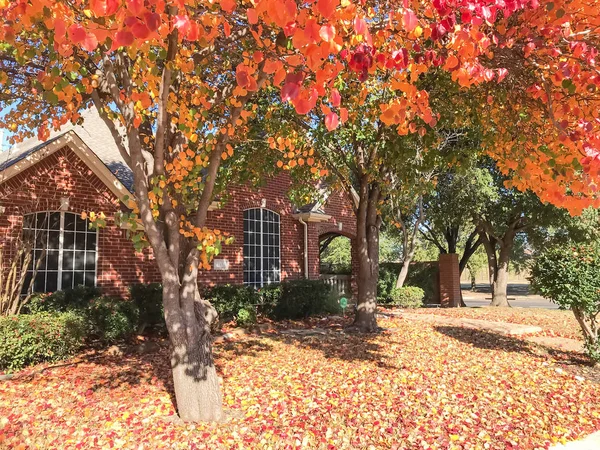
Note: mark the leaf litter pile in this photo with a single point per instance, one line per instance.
(414, 386)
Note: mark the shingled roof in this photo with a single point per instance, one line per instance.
(93, 132)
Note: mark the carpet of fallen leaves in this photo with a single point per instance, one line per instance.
(553, 321)
(413, 386)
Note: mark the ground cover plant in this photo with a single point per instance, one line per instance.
(414, 386)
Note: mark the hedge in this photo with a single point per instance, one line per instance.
(421, 274)
(43, 337)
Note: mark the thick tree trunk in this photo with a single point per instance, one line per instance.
(498, 259)
(197, 390)
(499, 287)
(365, 318)
(367, 226)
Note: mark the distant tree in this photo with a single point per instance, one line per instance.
(510, 213)
(451, 208)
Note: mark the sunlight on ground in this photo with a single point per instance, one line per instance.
(414, 386)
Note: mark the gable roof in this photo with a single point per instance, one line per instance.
(94, 134)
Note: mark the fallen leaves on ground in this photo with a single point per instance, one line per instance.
(554, 322)
(414, 386)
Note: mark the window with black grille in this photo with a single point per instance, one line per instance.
(66, 248)
(262, 261)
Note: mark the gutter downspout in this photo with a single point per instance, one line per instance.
(305, 246)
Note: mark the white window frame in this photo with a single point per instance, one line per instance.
(61, 248)
(262, 247)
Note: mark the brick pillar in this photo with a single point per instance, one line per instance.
(314, 260)
(449, 280)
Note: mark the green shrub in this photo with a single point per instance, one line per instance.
(421, 274)
(62, 301)
(34, 338)
(111, 319)
(570, 277)
(229, 300)
(270, 295)
(245, 317)
(386, 282)
(407, 297)
(304, 298)
(148, 298)
(425, 276)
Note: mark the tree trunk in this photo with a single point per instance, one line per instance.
(498, 260)
(365, 318)
(197, 390)
(471, 247)
(499, 287)
(367, 226)
(403, 273)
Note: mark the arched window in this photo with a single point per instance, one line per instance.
(67, 249)
(262, 261)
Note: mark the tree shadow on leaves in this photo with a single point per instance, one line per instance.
(341, 346)
(248, 347)
(488, 340)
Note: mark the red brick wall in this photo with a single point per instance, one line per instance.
(230, 218)
(63, 174)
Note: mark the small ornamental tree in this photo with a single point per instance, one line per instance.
(569, 275)
(175, 82)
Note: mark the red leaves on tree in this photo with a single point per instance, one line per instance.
(136, 7)
(291, 88)
(327, 33)
(243, 75)
(152, 20)
(104, 7)
(124, 38)
(327, 7)
(335, 97)
(228, 5)
(77, 33)
(252, 16)
(361, 61)
(360, 26)
(409, 20)
(331, 121)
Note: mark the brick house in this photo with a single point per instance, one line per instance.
(44, 187)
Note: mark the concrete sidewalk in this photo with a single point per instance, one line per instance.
(592, 442)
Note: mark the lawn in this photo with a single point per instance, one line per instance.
(414, 386)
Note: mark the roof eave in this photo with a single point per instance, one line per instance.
(74, 142)
(312, 217)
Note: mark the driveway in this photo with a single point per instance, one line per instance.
(518, 296)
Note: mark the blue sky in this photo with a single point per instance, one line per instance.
(4, 145)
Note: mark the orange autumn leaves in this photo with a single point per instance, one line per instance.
(305, 48)
(414, 386)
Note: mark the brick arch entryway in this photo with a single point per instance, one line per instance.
(344, 284)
